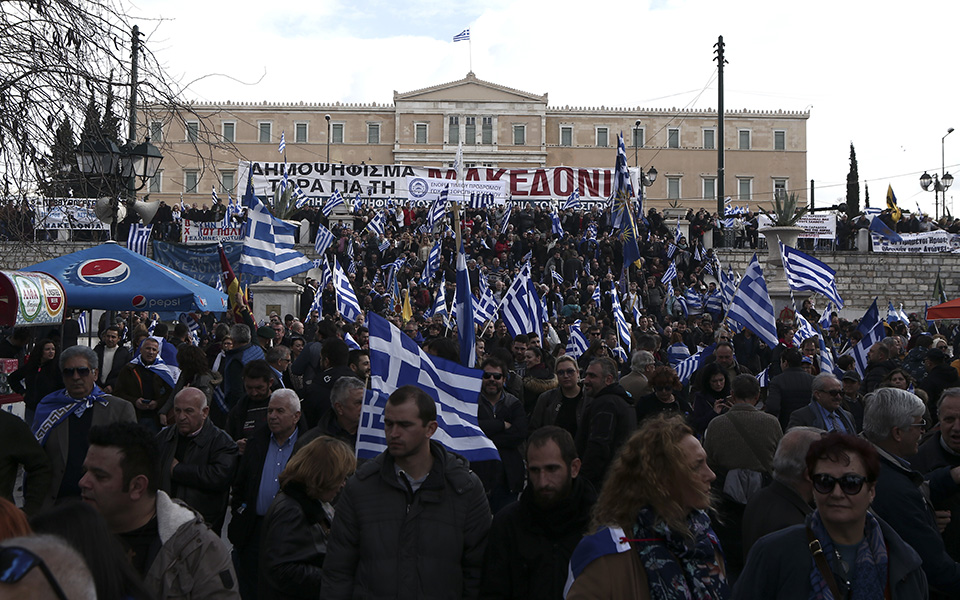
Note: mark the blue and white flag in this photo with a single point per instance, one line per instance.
(671, 250)
(505, 219)
(433, 262)
(139, 238)
(827, 363)
(677, 235)
(485, 307)
(438, 209)
(869, 319)
(596, 294)
(384, 245)
(336, 199)
(347, 304)
(519, 307)
(693, 302)
(82, 321)
(805, 273)
(466, 328)
(463, 36)
(825, 318)
(213, 196)
(751, 306)
(623, 329)
(577, 344)
(670, 274)
(350, 342)
(764, 378)
(805, 331)
(556, 228)
(301, 196)
(894, 315)
(395, 361)
(688, 366)
(325, 239)
(573, 201)
(378, 223)
(283, 142)
(268, 246)
(728, 286)
(860, 351)
(621, 205)
(880, 228)
(227, 213)
(556, 276)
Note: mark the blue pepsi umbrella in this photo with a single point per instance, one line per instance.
(110, 277)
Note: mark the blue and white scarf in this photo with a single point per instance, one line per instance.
(58, 406)
(169, 373)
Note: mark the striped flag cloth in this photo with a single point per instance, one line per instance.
(463, 36)
(670, 274)
(805, 273)
(433, 262)
(688, 366)
(677, 235)
(573, 201)
(268, 246)
(216, 199)
(556, 276)
(283, 142)
(894, 315)
(596, 295)
(623, 329)
(396, 361)
(577, 344)
(805, 331)
(636, 315)
(438, 209)
(556, 227)
(697, 255)
(751, 306)
(220, 283)
(825, 319)
(671, 250)
(519, 308)
(764, 378)
(869, 319)
(728, 286)
(827, 363)
(352, 268)
(325, 239)
(693, 302)
(336, 199)
(347, 304)
(466, 327)
(505, 219)
(860, 351)
(485, 308)
(139, 238)
(82, 321)
(378, 223)
(592, 230)
(384, 245)
(350, 342)
(440, 302)
(301, 196)
(227, 213)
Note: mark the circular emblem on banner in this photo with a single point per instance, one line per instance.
(31, 298)
(53, 297)
(103, 271)
(139, 301)
(418, 187)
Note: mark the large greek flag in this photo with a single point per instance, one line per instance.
(378, 223)
(520, 305)
(268, 243)
(805, 273)
(336, 199)
(623, 330)
(325, 239)
(466, 327)
(396, 361)
(751, 306)
(688, 366)
(433, 263)
(347, 304)
(577, 344)
(139, 238)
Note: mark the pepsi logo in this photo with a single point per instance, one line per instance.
(103, 271)
(139, 301)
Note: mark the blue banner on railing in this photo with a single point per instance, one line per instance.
(200, 262)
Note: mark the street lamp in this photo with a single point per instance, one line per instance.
(327, 117)
(645, 180)
(636, 142)
(940, 184)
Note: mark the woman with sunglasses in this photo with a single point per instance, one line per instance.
(842, 551)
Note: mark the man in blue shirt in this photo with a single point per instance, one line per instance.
(824, 410)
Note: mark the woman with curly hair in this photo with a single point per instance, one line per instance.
(653, 537)
(665, 396)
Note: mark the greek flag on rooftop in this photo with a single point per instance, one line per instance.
(505, 219)
(268, 243)
(463, 36)
(805, 273)
(336, 199)
(139, 238)
(438, 208)
(325, 239)
(670, 274)
(347, 304)
(688, 366)
(573, 201)
(378, 223)
(751, 306)
(395, 361)
(577, 344)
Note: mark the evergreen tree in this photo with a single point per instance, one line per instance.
(866, 195)
(853, 186)
(62, 177)
(110, 123)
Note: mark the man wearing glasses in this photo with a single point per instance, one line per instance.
(893, 421)
(64, 419)
(824, 410)
(503, 420)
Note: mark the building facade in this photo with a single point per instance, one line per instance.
(499, 127)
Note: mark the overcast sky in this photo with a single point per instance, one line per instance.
(881, 74)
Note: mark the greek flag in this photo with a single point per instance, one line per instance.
(577, 344)
(139, 238)
(520, 305)
(505, 219)
(763, 378)
(697, 255)
(301, 196)
(283, 142)
(82, 321)
(620, 203)
(466, 328)
(351, 343)
(827, 364)
(676, 234)
(688, 366)
(728, 286)
(216, 199)
(438, 209)
(751, 306)
(556, 276)
(226, 213)
(869, 319)
(395, 361)
(384, 245)
(693, 302)
(805, 273)
(352, 267)
(556, 227)
(485, 308)
(805, 331)
(440, 302)
(670, 274)
(894, 315)
(636, 315)
(592, 230)
(336, 199)
(573, 201)
(463, 36)
(860, 351)
(268, 244)
(596, 294)
(219, 285)
(377, 223)
(433, 262)
(671, 250)
(825, 319)
(347, 304)
(623, 330)
(325, 239)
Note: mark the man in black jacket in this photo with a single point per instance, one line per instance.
(791, 389)
(531, 540)
(607, 421)
(112, 357)
(198, 460)
(940, 376)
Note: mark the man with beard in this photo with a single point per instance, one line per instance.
(607, 421)
(532, 539)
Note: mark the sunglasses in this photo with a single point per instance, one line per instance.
(834, 393)
(81, 371)
(849, 484)
(493, 376)
(16, 562)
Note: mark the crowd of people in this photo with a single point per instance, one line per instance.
(220, 461)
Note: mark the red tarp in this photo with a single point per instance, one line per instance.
(947, 310)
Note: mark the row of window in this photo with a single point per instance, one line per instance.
(709, 188)
(470, 134)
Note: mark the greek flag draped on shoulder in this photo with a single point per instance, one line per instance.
(59, 405)
(609, 540)
(396, 361)
(168, 373)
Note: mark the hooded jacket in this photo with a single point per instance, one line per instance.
(607, 422)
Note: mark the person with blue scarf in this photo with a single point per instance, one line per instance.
(147, 382)
(842, 551)
(653, 537)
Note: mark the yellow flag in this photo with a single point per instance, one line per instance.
(892, 204)
(406, 309)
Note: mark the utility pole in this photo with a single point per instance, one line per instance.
(719, 46)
